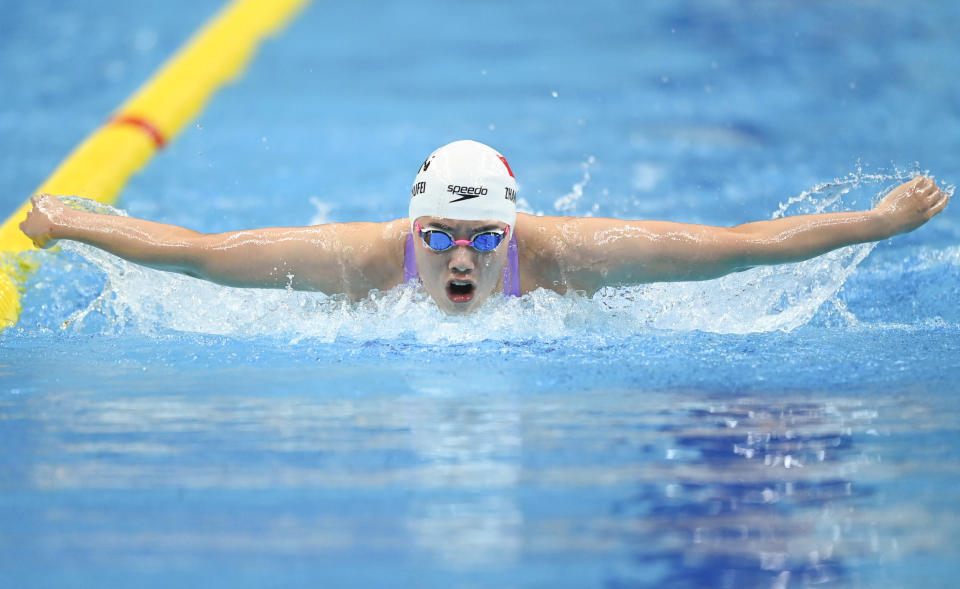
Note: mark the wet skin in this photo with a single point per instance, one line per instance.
(461, 278)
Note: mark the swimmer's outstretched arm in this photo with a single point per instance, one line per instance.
(348, 258)
(602, 252)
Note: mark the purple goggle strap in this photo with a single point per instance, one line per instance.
(511, 272)
(410, 271)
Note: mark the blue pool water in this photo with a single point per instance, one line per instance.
(785, 427)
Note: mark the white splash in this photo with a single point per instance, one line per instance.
(567, 204)
(322, 214)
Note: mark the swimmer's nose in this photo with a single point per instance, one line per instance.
(461, 260)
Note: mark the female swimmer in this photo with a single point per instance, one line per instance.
(464, 241)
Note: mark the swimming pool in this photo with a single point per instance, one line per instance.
(779, 428)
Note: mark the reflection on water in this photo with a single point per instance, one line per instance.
(761, 498)
(476, 446)
(625, 487)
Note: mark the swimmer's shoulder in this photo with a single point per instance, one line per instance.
(533, 232)
(540, 245)
(555, 251)
(384, 257)
(370, 252)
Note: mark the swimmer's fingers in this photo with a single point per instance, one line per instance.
(45, 202)
(922, 188)
(939, 205)
(930, 199)
(39, 224)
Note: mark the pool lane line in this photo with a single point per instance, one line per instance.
(99, 167)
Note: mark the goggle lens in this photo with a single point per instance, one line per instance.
(439, 241)
(486, 242)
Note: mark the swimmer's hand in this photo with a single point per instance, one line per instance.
(910, 205)
(43, 219)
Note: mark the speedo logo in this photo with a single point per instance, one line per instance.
(478, 190)
(466, 192)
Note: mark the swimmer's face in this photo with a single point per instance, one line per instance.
(461, 278)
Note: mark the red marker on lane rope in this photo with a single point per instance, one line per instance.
(143, 124)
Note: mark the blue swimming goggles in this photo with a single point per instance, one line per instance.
(441, 241)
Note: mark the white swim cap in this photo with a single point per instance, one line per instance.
(465, 180)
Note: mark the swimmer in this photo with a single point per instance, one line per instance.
(463, 241)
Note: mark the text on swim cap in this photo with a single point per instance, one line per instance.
(467, 190)
(418, 188)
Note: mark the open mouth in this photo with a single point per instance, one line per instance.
(460, 291)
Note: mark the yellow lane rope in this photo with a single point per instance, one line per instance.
(100, 166)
